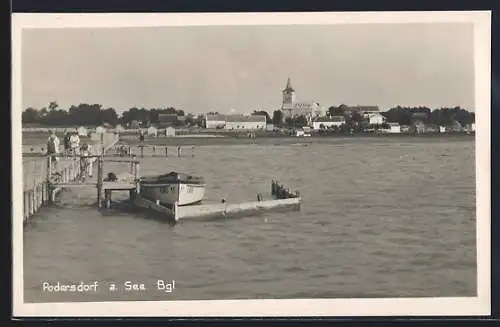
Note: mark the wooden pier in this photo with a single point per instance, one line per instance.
(41, 187)
(69, 175)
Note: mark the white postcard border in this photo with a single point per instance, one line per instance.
(480, 305)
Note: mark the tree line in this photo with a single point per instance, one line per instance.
(96, 114)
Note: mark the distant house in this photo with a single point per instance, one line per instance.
(394, 128)
(82, 131)
(362, 110)
(442, 129)
(418, 126)
(374, 118)
(167, 120)
(303, 132)
(152, 131)
(405, 129)
(328, 122)
(243, 122)
(270, 127)
(100, 130)
(119, 128)
(169, 132)
(215, 121)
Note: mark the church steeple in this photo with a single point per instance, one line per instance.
(289, 87)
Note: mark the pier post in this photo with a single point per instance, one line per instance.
(166, 151)
(132, 163)
(136, 171)
(31, 203)
(49, 168)
(107, 198)
(176, 211)
(25, 205)
(154, 150)
(99, 180)
(142, 151)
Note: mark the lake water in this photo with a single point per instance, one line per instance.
(388, 217)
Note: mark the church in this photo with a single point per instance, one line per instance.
(291, 108)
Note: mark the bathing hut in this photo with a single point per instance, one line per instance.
(82, 131)
(170, 131)
(152, 131)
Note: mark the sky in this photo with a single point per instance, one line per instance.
(244, 68)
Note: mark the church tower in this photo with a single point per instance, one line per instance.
(288, 99)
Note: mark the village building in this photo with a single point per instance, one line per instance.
(169, 132)
(82, 131)
(167, 120)
(374, 118)
(250, 122)
(100, 130)
(269, 127)
(215, 121)
(242, 122)
(152, 131)
(364, 111)
(291, 108)
(328, 122)
(394, 128)
(119, 128)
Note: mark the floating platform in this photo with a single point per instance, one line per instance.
(283, 200)
(219, 210)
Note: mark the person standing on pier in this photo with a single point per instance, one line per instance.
(141, 136)
(53, 148)
(86, 162)
(74, 141)
(67, 144)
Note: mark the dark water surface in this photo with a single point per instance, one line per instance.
(380, 218)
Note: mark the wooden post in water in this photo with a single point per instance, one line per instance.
(49, 168)
(107, 198)
(154, 150)
(142, 150)
(166, 151)
(132, 163)
(99, 180)
(136, 171)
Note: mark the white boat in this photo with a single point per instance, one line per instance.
(173, 187)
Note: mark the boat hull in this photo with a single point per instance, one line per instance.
(170, 193)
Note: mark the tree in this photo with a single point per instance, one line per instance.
(300, 121)
(277, 118)
(337, 111)
(289, 122)
(53, 106)
(30, 115)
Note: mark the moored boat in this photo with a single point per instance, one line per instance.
(173, 187)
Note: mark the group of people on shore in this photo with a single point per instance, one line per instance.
(72, 147)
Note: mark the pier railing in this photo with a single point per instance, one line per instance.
(41, 184)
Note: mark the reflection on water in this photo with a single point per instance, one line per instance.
(380, 218)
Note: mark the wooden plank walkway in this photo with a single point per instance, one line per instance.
(36, 187)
